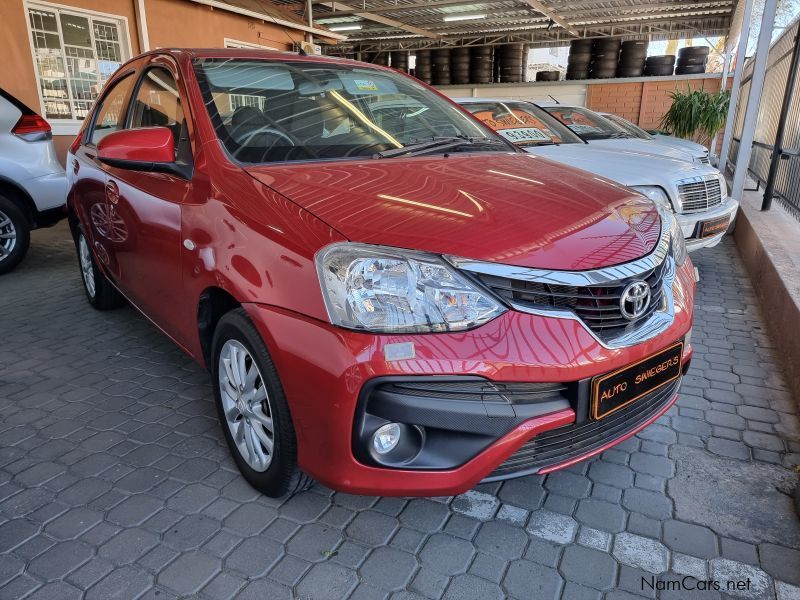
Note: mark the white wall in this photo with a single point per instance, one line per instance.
(567, 93)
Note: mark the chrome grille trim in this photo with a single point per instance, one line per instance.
(699, 193)
(654, 325)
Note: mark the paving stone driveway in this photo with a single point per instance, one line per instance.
(115, 481)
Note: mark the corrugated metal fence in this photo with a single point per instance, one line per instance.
(787, 174)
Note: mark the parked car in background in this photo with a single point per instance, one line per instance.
(696, 150)
(599, 131)
(394, 301)
(32, 181)
(696, 193)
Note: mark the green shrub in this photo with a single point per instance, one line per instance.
(696, 114)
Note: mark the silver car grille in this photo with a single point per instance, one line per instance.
(598, 306)
(699, 193)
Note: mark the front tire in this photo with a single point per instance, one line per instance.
(99, 291)
(15, 235)
(252, 408)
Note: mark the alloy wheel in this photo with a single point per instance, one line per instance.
(246, 405)
(87, 268)
(8, 235)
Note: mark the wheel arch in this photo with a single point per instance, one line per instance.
(213, 303)
(20, 197)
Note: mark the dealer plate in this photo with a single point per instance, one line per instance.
(613, 391)
(714, 226)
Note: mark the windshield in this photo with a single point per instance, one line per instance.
(522, 123)
(274, 111)
(628, 127)
(586, 123)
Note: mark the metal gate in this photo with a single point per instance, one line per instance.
(775, 158)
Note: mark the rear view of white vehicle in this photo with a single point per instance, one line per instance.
(698, 151)
(32, 181)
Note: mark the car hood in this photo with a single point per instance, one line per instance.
(689, 146)
(646, 146)
(627, 167)
(516, 209)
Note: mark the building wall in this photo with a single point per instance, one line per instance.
(170, 23)
(643, 102)
(18, 75)
(564, 91)
(181, 23)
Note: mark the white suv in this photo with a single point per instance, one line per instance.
(695, 192)
(32, 182)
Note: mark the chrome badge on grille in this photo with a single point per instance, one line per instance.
(634, 300)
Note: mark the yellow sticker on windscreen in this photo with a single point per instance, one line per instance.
(366, 85)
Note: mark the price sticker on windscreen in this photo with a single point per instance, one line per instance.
(524, 134)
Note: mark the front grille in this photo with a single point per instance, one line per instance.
(559, 445)
(699, 193)
(477, 389)
(597, 306)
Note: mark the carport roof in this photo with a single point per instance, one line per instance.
(408, 24)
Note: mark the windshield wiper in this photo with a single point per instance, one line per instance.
(437, 143)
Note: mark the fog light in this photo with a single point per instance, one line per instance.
(386, 438)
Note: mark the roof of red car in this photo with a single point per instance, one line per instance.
(247, 53)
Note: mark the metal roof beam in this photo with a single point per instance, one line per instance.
(653, 8)
(647, 19)
(385, 8)
(383, 20)
(551, 14)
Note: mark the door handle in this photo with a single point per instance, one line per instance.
(112, 192)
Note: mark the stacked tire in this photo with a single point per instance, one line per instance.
(459, 65)
(692, 60)
(511, 63)
(548, 76)
(580, 57)
(605, 57)
(441, 66)
(424, 67)
(480, 64)
(400, 61)
(632, 58)
(659, 66)
(378, 58)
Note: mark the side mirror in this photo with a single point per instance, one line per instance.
(149, 149)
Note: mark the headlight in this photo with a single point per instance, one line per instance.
(656, 194)
(678, 242)
(390, 290)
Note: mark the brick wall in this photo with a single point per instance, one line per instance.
(624, 99)
(643, 102)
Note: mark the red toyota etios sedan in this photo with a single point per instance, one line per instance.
(390, 297)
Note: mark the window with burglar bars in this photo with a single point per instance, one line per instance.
(75, 53)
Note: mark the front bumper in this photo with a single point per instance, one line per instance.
(690, 224)
(324, 371)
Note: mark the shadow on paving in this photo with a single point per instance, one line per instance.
(115, 480)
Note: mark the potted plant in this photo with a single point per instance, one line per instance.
(696, 114)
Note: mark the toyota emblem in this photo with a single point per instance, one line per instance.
(634, 300)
